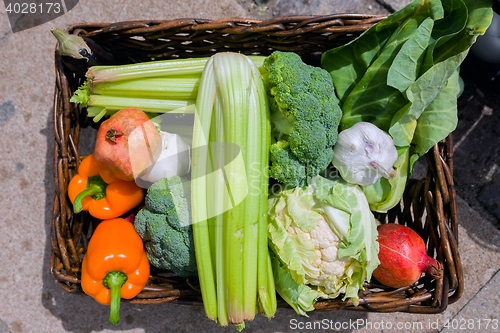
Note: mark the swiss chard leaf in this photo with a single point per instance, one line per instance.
(401, 75)
(360, 69)
(459, 30)
(439, 118)
(420, 94)
(406, 65)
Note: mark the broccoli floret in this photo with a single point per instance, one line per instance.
(166, 194)
(164, 224)
(305, 114)
(287, 169)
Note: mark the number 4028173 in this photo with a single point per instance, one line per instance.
(33, 8)
(471, 324)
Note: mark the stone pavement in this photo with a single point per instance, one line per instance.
(31, 301)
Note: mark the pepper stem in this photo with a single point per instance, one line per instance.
(114, 281)
(96, 188)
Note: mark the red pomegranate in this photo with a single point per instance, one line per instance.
(403, 257)
(127, 143)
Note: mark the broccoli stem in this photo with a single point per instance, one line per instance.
(114, 282)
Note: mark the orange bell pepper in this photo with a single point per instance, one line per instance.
(115, 265)
(103, 196)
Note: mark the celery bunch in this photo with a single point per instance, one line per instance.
(229, 191)
(155, 87)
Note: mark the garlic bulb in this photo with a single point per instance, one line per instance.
(174, 160)
(364, 153)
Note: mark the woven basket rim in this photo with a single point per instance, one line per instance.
(303, 18)
(337, 23)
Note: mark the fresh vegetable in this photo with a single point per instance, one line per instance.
(323, 237)
(386, 193)
(177, 88)
(229, 186)
(402, 76)
(155, 87)
(174, 159)
(164, 225)
(403, 257)
(304, 116)
(103, 197)
(79, 53)
(99, 106)
(364, 153)
(127, 144)
(115, 265)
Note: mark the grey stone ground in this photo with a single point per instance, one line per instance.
(32, 302)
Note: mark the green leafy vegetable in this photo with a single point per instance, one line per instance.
(402, 76)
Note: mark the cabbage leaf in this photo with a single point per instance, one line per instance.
(323, 239)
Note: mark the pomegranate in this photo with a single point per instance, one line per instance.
(403, 257)
(127, 144)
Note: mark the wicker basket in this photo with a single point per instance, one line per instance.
(428, 206)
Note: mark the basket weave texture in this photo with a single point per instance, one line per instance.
(428, 205)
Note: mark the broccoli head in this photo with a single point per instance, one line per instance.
(305, 114)
(164, 224)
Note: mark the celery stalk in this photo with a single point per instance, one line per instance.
(115, 103)
(199, 191)
(177, 88)
(159, 68)
(265, 279)
(232, 77)
(217, 185)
